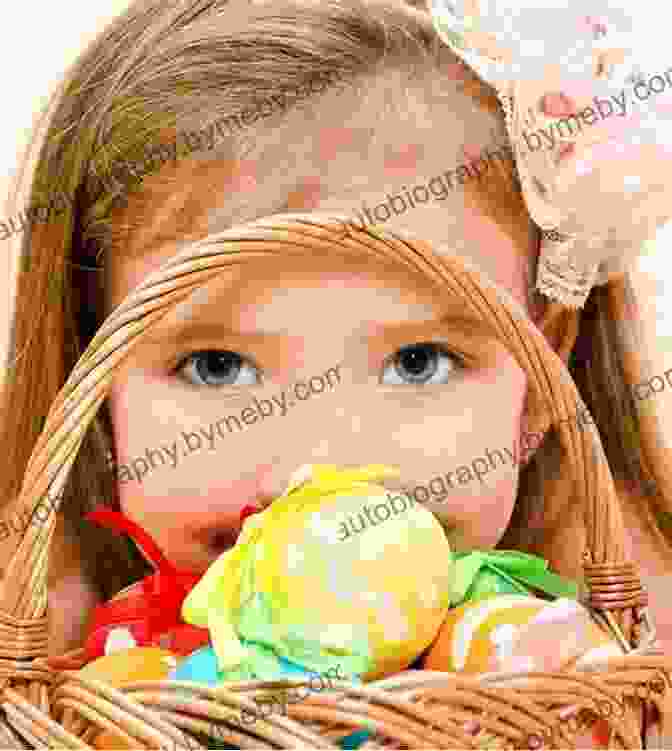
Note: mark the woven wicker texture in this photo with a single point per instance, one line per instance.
(47, 705)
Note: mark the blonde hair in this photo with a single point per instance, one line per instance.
(163, 60)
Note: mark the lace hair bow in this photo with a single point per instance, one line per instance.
(595, 217)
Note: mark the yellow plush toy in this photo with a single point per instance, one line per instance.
(335, 572)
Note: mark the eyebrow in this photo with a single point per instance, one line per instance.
(468, 334)
(188, 329)
(179, 326)
(453, 319)
(196, 328)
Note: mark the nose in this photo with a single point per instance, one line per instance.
(325, 430)
(273, 478)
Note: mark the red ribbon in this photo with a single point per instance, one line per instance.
(248, 511)
(165, 590)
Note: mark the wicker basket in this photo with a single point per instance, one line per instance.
(48, 705)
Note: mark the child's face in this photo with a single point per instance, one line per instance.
(324, 360)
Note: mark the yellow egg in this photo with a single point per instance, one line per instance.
(137, 664)
(386, 589)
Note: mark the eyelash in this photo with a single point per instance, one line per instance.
(192, 357)
(460, 361)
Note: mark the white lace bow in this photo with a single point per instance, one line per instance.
(594, 221)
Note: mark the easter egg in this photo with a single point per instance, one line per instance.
(138, 664)
(336, 571)
(120, 668)
(516, 633)
(467, 640)
(200, 666)
(110, 741)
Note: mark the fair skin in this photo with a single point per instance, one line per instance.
(386, 408)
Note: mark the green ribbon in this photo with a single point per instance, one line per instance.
(481, 573)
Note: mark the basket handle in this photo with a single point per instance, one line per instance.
(23, 588)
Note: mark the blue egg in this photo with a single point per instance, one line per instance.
(291, 668)
(200, 666)
(354, 740)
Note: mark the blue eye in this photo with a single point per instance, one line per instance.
(420, 364)
(215, 367)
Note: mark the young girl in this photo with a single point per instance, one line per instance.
(189, 116)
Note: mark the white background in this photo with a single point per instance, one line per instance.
(41, 40)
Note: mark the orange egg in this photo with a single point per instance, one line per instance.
(120, 668)
(517, 633)
(110, 741)
(465, 640)
(137, 664)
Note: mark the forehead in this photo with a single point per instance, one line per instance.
(414, 142)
